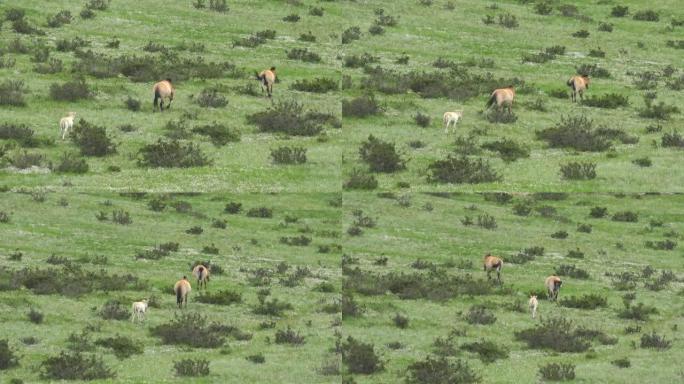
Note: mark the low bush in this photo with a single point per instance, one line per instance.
(381, 156)
(191, 367)
(577, 133)
(501, 116)
(358, 61)
(71, 163)
(316, 85)
(92, 140)
(190, 329)
(610, 101)
(358, 179)
(605, 27)
(461, 169)
(260, 212)
(114, 310)
(75, 366)
(509, 150)
(303, 54)
(288, 336)
(273, 307)
(625, 216)
(24, 160)
(12, 93)
(211, 98)
(218, 133)
(592, 70)
(588, 301)
(288, 155)
(582, 34)
(123, 346)
(487, 351)
(572, 271)
(287, 117)
(350, 34)
(70, 91)
(361, 106)
(578, 170)
(557, 334)
(8, 357)
(646, 15)
(672, 140)
(508, 20)
(171, 154)
(223, 297)
(619, 11)
(360, 357)
(639, 311)
(478, 314)
(441, 370)
(60, 18)
(557, 371)
(655, 341)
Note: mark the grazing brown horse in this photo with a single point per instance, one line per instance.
(503, 98)
(553, 284)
(182, 288)
(578, 84)
(493, 263)
(163, 90)
(202, 274)
(267, 78)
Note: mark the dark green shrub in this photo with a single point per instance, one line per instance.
(65, 45)
(70, 91)
(605, 27)
(303, 54)
(13, 14)
(350, 34)
(233, 208)
(575, 132)
(622, 363)
(22, 26)
(488, 351)
(114, 310)
(543, 8)
(24, 160)
(400, 321)
(224, 297)
(460, 170)
(592, 70)
(626, 216)
(655, 341)
(288, 336)
(672, 140)
(557, 371)
(598, 212)
(60, 18)
(300, 241)
(218, 133)
(610, 100)
(75, 366)
(20, 133)
(171, 154)
(190, 329)
(257, 358)
(508, 20)
(287, 117)
(578, 170)
(640, 312)
(572, 271)
(560, 235)
(260, 212)
(582, 34)
(8, 358)
(381, 156)
(509, 150)
(222, 7)
(358, 61)
(642, 162)
(196, 230)
(71, 163)
(647, 15)
(478, 314)
(360, 357)
(34, 316)
(92, 140)
(619, 11)
(361, 106)
(557, 334)
(273, 307)
(441, 370)
(122, 346)
(588, 301)
(422, 120)
(211, 98)
(359, 179)
(501, 116)
(51, 67)
(288, 155)
(316, 85)
(12, 93)
(98, 5)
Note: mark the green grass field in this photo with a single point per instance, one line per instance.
(396, 266)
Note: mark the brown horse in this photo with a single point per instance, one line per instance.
(578, 84)
(267, 78)
(553, 284)
(202, 274)
(163, 90)
(503, 98)
(493, 263)
(182, 288)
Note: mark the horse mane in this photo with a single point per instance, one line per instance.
(273, 69)
(169, 80)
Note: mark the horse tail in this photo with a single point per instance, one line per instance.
(491, 100)
(571, 83)
(259, 76)
(179, 295)
(157, 96)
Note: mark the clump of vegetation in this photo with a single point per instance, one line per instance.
(303, 54)
(572, 271)
(191, 367)
(381, 156)
(12, 93)
(610, 101)
(211, 98)
(487, 351)
(73, 90)
(361, 106)
(578, 170)
(360, 357)
(287, 117)
(461, 170)
(557, 371)
(71, 163)
(508, 20)
(646, 15)
(75, 366)
(350, 34)
(557, 334)
(660, 111)
(626, 216)
(223, 297)
(288, 336)
(619, 11)
(509, 150)
(171, 154)
(219, 134)
(358, 179)
(190, 329)
(441, 370)
(575, 132)
(288, 155)
(655, 341)
(316, 85)
(92, 139)
(114, 310)
(592, 70)
(123, 346)
(60, 18)
(478, 314)
(260, 212)
(640, 311)
(588, 301)
(8, 358)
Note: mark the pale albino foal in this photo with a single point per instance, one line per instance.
(139, 308)
(451, 118)
(533, 303)
(66, 123)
